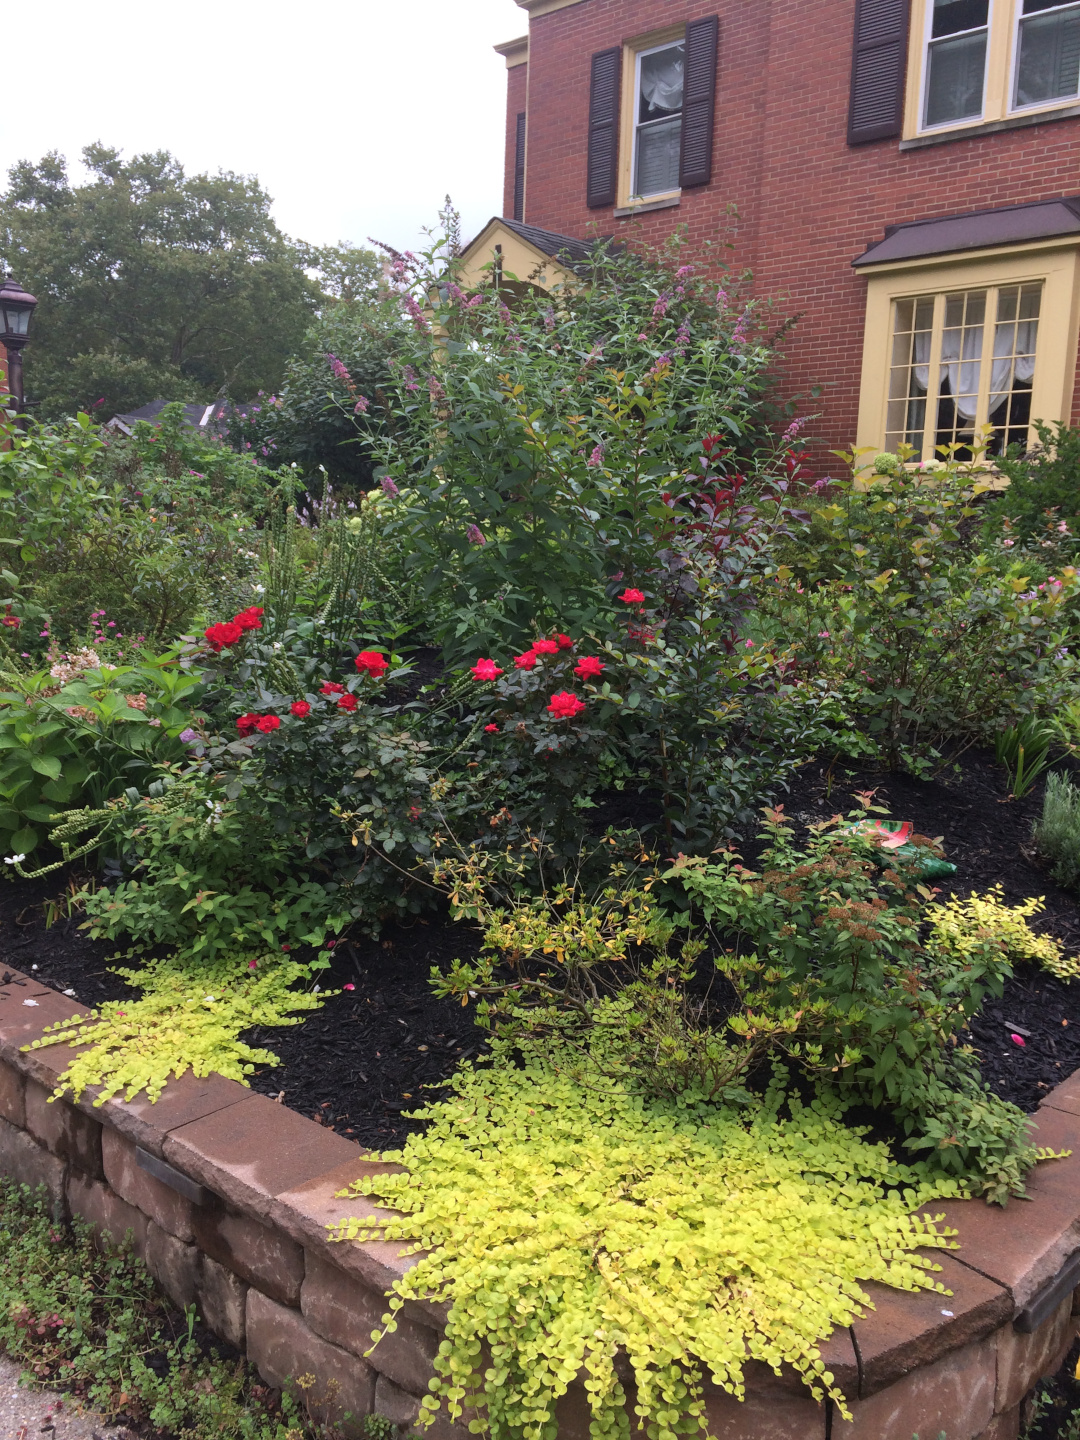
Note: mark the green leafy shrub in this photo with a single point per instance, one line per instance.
(565, 1217)
(189, 1017)
(208, 882)
(82, 733)
(965, 925)
(928, 641)
(1057, 832)
(1042, 486)
(85, 1319)
(550, 446)
(823, 949)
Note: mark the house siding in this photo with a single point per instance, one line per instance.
(807, 203)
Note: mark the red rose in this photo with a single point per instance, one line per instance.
(491, 729)
(246, 723)
(632, 597)
(546, 647)
(300, 708)
(331, 687)
(249, 619)
(372, 662)
(564, 705)
(588, 666)
(526, 661)
(486, 670)
(564, 642)
(268, 723)
(223, 635)
(347, 702)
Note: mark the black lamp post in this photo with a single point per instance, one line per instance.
(16, 308)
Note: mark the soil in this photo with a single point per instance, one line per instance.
(362, 1062)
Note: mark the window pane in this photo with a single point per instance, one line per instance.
(961, 366)
(658, 147)
(954, 87)
(1012, 371)
(660, 84)
(909, 374)
(1049, 64)
(952, 16)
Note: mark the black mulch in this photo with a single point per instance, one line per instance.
(365, 1058)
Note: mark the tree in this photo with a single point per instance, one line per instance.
(151, 283)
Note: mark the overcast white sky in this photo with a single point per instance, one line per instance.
(358, 116)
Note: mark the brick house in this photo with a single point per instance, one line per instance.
(906, 175)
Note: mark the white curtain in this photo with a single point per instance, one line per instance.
(1006, 370)
(662, 80)
(960, 361)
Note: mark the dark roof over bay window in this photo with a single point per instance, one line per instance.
(978, 229)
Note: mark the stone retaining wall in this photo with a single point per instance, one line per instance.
(227, 1196)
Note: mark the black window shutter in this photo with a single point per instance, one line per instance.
(603, 162)
(699, 101)
(877, 70)
(519, 168)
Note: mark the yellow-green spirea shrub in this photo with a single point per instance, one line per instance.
(962, 925)
(188, 1017)
(566, 1218)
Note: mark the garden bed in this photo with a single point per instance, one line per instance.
(360, 1064)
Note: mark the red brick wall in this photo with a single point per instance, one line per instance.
(807, 203)
(517, 83)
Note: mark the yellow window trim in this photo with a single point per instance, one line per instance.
(1055, 263)
(997, 96)
(519, 260)
(627, 106)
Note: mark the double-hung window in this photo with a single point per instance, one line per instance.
(980, 61)
(658, 99)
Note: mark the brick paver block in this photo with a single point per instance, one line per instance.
(764, 1417)
(163, 1205)
(265, 1257)
(1065, 1096)
(908, 1329)
(101, 1207)
(222, 1301)
(65, 1131)
(12, 1096)
(305, 1212)
(174, 1265)
(1023, 1246)
(955, 1394)
(252, 1151)
(281, 1346)
(1004, 1427)
(1025, 1359)
(345, 1311)
(26, 1008)
(399, 1407)
(26, 1162)
(182, 1101)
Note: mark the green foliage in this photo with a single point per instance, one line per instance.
(82, 733)
(1057, 832)
(1024, 750)
(85, 1319)
(549, 452)
(823, 949)
(929, 641)
(1042, 486)
(311, 420)
(150, 283)
(563, 1216)
(965, 925)
(189, 1017)
(208, 881)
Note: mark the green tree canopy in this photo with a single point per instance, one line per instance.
(151, 283)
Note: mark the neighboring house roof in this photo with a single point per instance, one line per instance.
(976, 230)
(199, 417)
(528, 253)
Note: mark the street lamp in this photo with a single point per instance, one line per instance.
(16, 308)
